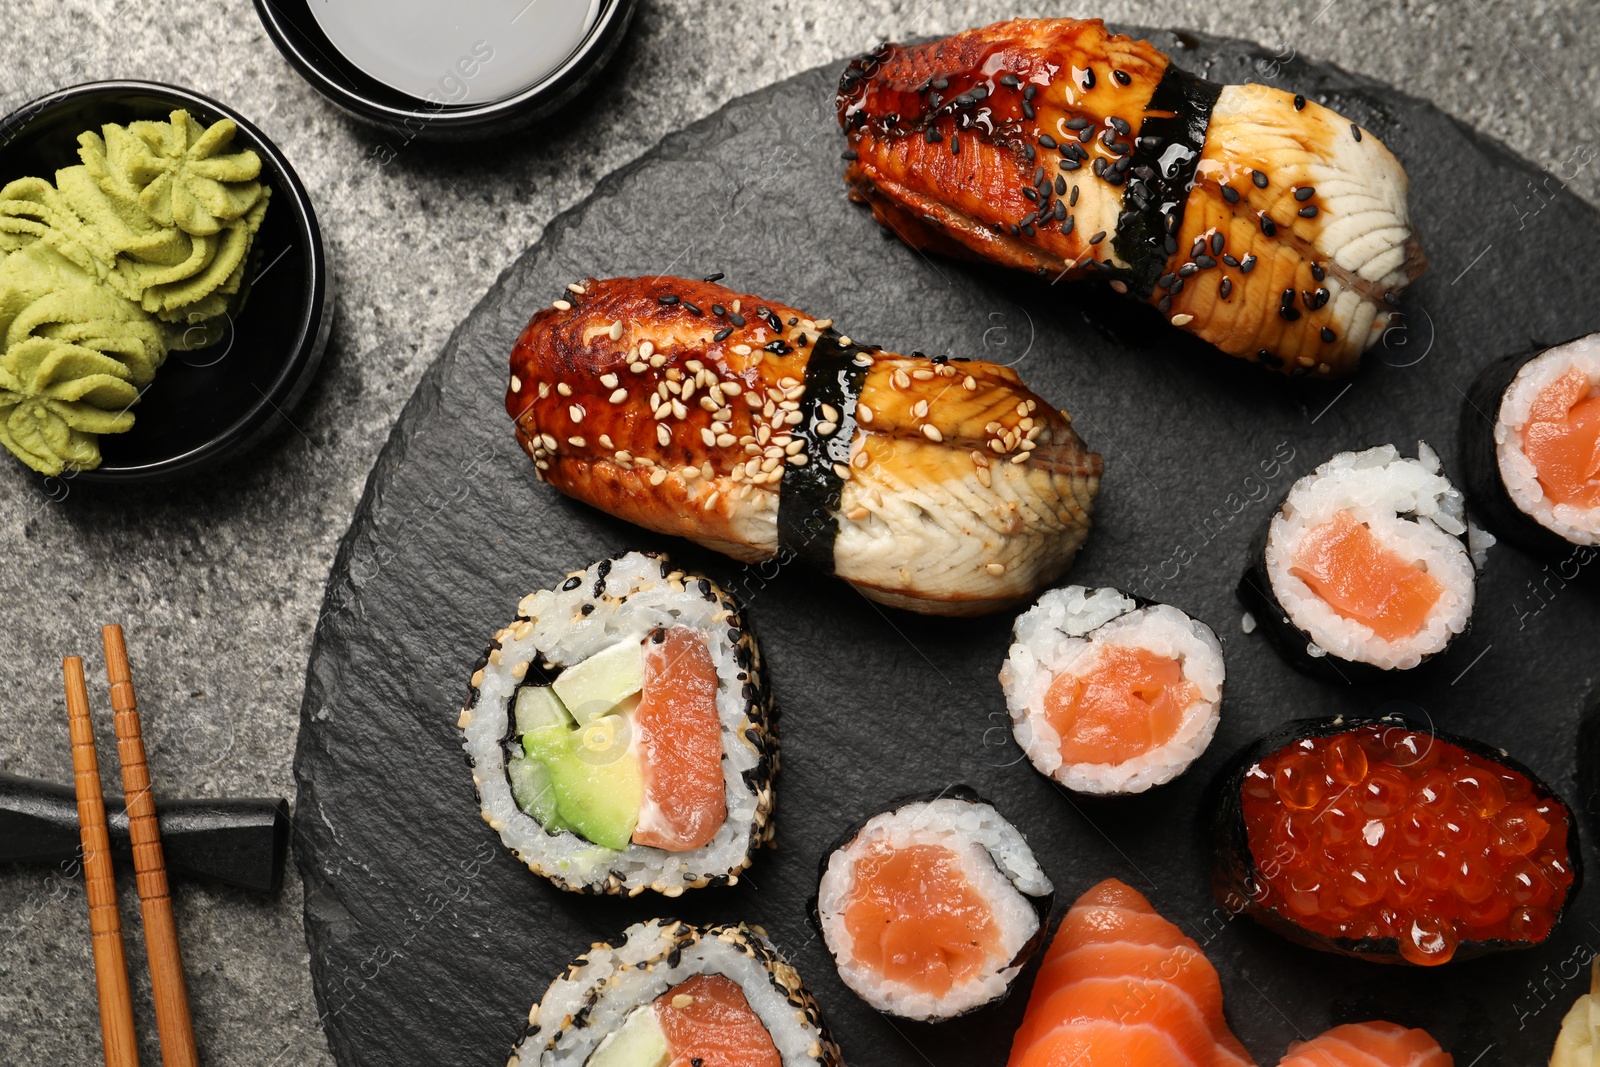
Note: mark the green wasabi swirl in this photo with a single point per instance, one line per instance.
(102, 272)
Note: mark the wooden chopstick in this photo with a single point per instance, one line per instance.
(105, 922)
(167, 985)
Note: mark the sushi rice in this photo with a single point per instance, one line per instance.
(612, 601)
(605, 985)
(1065, 633)
(1580, 526)
(1414, 512)
(995, 862)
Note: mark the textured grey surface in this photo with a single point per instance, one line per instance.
(220, 581)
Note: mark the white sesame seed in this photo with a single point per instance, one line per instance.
(638, 368)
(708, 437)
(662, 435)
(563, 388)
(861, 459)
(562, 305)
(1118, 286)
(679, 410)
(711, 502)
(863, 414)
(646, 349)
(922, 374)
(829, 412)
(857, 513)
(793, 447)
(574, 287)
(842, 471)
(995, 569)
(619, 395)
(657, 360)
(984, 477)
(826, 429)
(608, 380)
(798, 460)
(616, 330)
(658, 476)
(544, 390)
(575, 412)
(689, 474)
(920, 409)
(931, 432)
(1182, 320)
(732, 388)
(726, 440)
(576, 442)
(901, 380)
(548, 440)
(1020, 457)
(969, 383)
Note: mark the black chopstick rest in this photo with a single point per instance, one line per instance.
(240, 842)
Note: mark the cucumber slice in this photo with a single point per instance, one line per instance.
(638, 1042)
(532, 789)
(538, 705)
(597, 685)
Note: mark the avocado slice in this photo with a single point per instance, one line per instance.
(597, 781)
(538, 705)
(533, 791)
(592, 688)
(638, 1042)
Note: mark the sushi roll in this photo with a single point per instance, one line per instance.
(671, 995)
(1366, 565)
(1109, 694)
(1384, 840)
(1530, 447)
(620, 734)
(932, 908)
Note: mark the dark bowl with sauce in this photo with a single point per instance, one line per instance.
(295, 30)
(208, 405)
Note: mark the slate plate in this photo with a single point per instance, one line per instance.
(428, 941)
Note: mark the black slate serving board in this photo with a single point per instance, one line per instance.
(429, 941)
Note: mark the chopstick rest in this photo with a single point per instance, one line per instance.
(105, 923)
(167, 984)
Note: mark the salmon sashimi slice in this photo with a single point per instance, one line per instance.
(1120, 985)
(1346, 565)
(1562, 440)
(1368, 1045)
(915, 918)
(1131, 701)
(680, 743)
(708, 1023)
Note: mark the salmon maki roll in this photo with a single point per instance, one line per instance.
(937, 485)
(1122, 985)
(1368, 566)
(932, 908)
(620, 733)
(1376, 1044)
(1109, 694)
(1530, 438)
(673, 995)
(1269, 225)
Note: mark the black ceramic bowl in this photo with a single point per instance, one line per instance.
(295, 31)
(207, 405)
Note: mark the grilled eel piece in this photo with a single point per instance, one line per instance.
(1268, 224)
(945, 487)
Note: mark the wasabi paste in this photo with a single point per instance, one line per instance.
(111, 267)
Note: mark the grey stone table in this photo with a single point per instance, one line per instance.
(219, 581)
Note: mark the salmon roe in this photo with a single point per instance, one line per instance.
(1384, 831)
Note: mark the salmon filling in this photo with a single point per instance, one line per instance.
(1131, 702)
(1562, 440)
(707, 1022)
(914, 918)
(1350, 569)
(680, 744)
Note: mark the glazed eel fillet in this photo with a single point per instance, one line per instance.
(1266, 223)
(942, 486)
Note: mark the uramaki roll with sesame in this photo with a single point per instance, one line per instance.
(1271, 226)
(942, 486)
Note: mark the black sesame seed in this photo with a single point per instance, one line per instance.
(1198, 247)
(1113, 176)
(692, 309)
(1077, 123)
(1031, 216)
(1217, 241)
(1317, 300)
(1047, 141)
(1187, 269)
(1305, 192)
(1070, 164)
(1392, 299)
(1084, 134)
(1027, 109)
(1317, 272)
(1289, 313)
(1225, 288)
(1120, 125)
(1030, 192)
(1166, 280)
(1010, 81)
(1230, 194)
(1088, 78)
(717, 277)
(587, 609)
(1097, 238)
(1121, 148)
(1205, 262)
(1028, 151)
(1072, 201)
(941, 83)
(1268, 227)
(1038, 176)
(1259, 178)
(1164, 304)
(979, 92)
(667, 298)
(1122, 77)
(1014, 230)
(849, 153)
(1248, 263)
(736, 318)
(1170, 244)
(1328, 336)
(1099, 167)
(933, 136)
(1299, 102)
(571, 583)
(955, 144)
(722, 334)
(718, 310)
(964, 100)
(1060, 210)
(1355, 131)
(1170, 221)
(1061, 185)
(934, 100)
(1028, 230)
(1229, 260)
(1028, 93)
(1287, 297)
(1269, 359)
(1309, 211)
(1066, 227)
(1177, 286)
(794, 320)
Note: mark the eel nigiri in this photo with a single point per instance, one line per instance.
(1122, 985)
(942, 486)
(1376, 1044)
(1271, 226)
